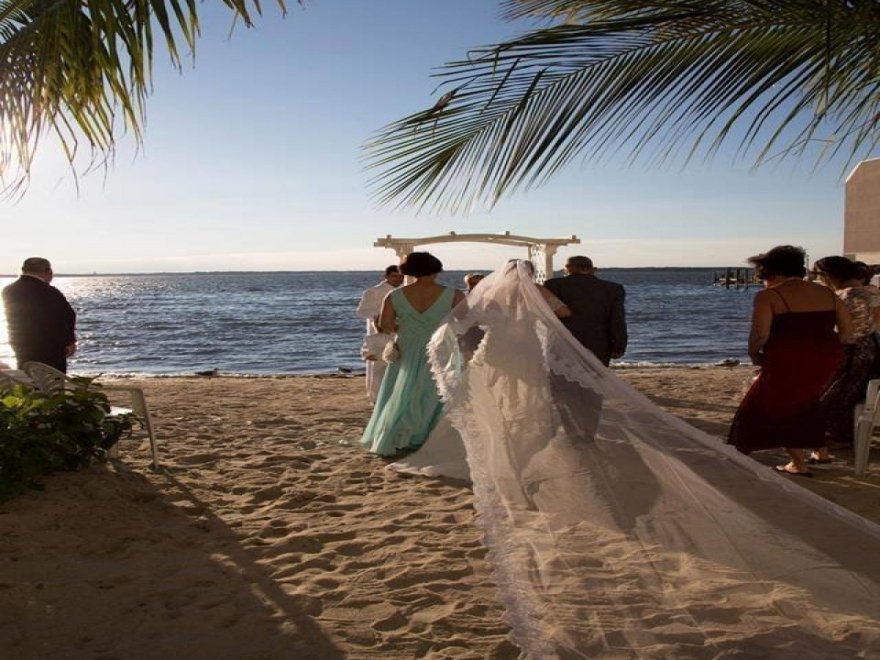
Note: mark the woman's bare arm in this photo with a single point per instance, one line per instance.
(388, 317)
(556, 305)
(762, 319)
(459, 304)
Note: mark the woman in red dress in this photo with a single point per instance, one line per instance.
(797, 329)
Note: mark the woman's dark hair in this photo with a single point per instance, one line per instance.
(837, 268)
(419, 264)
(865, 273)
(781, 261)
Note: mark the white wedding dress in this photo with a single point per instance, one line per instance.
(615, 529)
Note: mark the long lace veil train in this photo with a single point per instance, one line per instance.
(615, 529)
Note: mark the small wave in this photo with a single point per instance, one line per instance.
(643, 364)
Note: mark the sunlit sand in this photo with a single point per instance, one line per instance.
(271, 534)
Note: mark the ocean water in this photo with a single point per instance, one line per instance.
(304, 322)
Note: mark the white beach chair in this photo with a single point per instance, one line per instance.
(12, 377)
(867, 418)
(49, 379)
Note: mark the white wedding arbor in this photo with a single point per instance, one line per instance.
(540, 250)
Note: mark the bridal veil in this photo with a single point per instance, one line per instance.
(615, 529)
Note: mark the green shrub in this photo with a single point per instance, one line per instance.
(42, 432)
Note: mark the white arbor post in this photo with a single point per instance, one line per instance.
(403, 249)
(538, 257)
(540, 250)
(549, 253)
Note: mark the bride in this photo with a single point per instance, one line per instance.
(617, 530)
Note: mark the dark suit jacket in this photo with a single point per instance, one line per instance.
(40, 320)
(597, 320)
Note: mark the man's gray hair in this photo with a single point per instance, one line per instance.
(36, 265)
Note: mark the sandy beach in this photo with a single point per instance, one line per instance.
(269, 533)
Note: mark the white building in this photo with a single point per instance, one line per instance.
(861, 213)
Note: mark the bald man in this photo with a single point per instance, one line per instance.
(598, 319)
(40, 320)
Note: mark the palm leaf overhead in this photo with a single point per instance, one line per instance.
(660, 80)
(81, 69)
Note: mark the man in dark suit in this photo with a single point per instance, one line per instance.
(40, 320)
(597, 320)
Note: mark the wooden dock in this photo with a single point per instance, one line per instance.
(735, 278)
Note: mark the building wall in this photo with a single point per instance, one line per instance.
(861, 212)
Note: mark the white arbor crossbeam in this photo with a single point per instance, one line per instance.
(540, 250)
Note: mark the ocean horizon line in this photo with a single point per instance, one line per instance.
(354, 270)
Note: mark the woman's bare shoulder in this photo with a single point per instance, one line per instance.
(765, 295)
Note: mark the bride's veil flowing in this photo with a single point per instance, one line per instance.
(617, 530)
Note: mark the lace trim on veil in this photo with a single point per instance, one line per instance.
(498, 534)
(582, 486)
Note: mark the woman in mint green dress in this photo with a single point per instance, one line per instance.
(408, 406)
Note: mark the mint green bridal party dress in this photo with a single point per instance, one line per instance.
(408, 406)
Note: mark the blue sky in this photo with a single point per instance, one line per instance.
(252, 161)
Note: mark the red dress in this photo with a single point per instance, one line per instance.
(781, 408)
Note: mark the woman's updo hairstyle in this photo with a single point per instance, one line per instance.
(839, 269)
(781, 261)
(419, 264)
(864, 272)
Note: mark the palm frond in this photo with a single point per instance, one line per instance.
(659, 80)
(81, 69)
